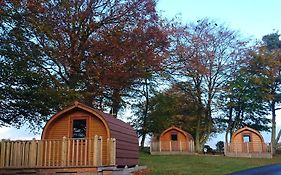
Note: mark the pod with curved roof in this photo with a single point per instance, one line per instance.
(81, 121)
(247, 142)
(173, 141)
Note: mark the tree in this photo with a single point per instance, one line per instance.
(243, 100)
(172, 107)
(205, 55)
(270, 54)
(141, 106)
(27, 94)
(93, 51)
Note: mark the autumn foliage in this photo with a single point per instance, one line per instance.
(89, 50)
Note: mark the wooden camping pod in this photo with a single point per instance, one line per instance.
(98, 123)
(246, 140)
(173, 140)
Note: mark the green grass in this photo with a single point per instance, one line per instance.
(200, 164)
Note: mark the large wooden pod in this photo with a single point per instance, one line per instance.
(172, 141)
(82, 121)
(247, 142)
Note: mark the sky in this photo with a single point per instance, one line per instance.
(253, 18)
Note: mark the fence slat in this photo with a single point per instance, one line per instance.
(2, 153)
(63, 152)
(7, 155)
(86, 152)
(95, 152)
(100, 151)
(32, 153)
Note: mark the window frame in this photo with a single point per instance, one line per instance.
(73, 118)
(174, 134)
(245, 136)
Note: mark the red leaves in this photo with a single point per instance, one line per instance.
(35, 6)
(104, 44)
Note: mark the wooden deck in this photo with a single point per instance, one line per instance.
(57, 154)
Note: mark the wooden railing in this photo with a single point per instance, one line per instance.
(172, 146)
(66, 152)
(248, 147)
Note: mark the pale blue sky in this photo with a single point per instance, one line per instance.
(254, 18)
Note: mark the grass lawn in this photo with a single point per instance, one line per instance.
(200, 164)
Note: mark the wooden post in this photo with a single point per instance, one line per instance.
(247, 145)
(77, 151)
(101, 154)
(160, 149)
(63, 152)
(8, 152)
(2, 153)
(81, 151)
(45, 152)
(25, 153)
(170, 146)
(54, 152)
(32, 153)
(95, 152)
(73, 152)
(68, 152)
(90, 151)
(108, 151)
(180, 147)
(86, 151)
(40, 153)
(18, 155)
(49, 152)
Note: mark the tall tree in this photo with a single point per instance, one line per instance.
(93, 50)
(243, 101)
(27, 94)
(270, 56)
(205, 56)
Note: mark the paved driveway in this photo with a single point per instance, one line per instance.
(264, 170)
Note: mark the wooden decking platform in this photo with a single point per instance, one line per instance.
(53, 170)
(249, 155)
(107, 170)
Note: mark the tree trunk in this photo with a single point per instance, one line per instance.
(197, 137)
(143, 140)
(273, 129)
(144, 126)
(277, 139)
(116, 100)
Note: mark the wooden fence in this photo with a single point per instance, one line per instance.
(66, 152)
(248, 149)
(172, 146)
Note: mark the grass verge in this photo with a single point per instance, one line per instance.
(200, 164)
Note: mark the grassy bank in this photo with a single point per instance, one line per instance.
(200, 164)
